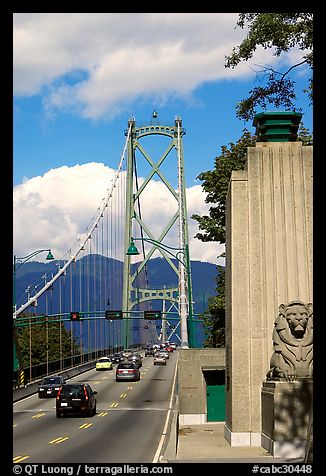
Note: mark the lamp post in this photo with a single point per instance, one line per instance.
(184, 312)
(18, 262)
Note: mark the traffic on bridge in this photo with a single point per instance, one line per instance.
(97, 300)
(128, 425)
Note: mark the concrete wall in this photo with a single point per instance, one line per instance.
(268, 262)
(191, 382)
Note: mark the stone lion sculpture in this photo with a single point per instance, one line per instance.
(293, 343)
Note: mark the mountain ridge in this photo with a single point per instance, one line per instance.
(99, 295)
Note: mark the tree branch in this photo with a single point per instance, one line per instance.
(265, 69)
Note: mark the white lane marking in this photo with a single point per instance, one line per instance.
(25, 398)
(159, 448)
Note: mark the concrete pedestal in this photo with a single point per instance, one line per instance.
(286, 409)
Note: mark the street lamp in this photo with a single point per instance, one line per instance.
(18, 262)
(132, 250)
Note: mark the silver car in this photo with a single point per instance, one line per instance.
(127, 371)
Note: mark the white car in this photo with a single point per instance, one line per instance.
(127, 353)
(159, 359)
(165, 353)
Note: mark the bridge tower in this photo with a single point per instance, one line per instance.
(137, 291)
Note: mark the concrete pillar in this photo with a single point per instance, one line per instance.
(268, 262)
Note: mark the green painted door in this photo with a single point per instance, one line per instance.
(215, 395)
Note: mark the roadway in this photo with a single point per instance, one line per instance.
(127, 427)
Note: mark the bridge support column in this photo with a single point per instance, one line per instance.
(268, 262)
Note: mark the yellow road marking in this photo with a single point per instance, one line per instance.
(39, 415)
(59, 440)
(19, 459)
(130, 388)
(86, 425)
(114, 404)
(102, 414)
(123, 395)
(15, 424)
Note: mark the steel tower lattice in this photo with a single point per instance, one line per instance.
(135, 290)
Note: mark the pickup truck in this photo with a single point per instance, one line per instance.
(159, 359)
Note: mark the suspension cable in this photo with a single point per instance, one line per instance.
(82, 243)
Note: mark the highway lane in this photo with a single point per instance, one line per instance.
(127, 427)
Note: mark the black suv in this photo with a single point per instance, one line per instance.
(76, 398)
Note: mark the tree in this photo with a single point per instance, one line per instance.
(214, 317)
(283, 32)
(216, 183)
(40, 336)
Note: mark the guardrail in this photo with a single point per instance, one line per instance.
(31, 374)
(31, 388)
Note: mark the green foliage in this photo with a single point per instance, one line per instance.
(305, 136)
(214, 317)
(216, 184)
(41, 335)
(280, 32)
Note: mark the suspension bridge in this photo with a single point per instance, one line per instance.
(102, 289)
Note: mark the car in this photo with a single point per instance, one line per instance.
(104, 363)
(49, 386)
(76, 398)
(116, 358)
(127, 371)
(149, 352)
(165, 353)
(159, 359)
(136, 359)
(127, 352)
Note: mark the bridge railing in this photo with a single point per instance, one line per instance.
(37, 372)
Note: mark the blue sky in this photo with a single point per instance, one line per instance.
(75, 89)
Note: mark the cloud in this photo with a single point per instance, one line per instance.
(96, 64)
(53, 210)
